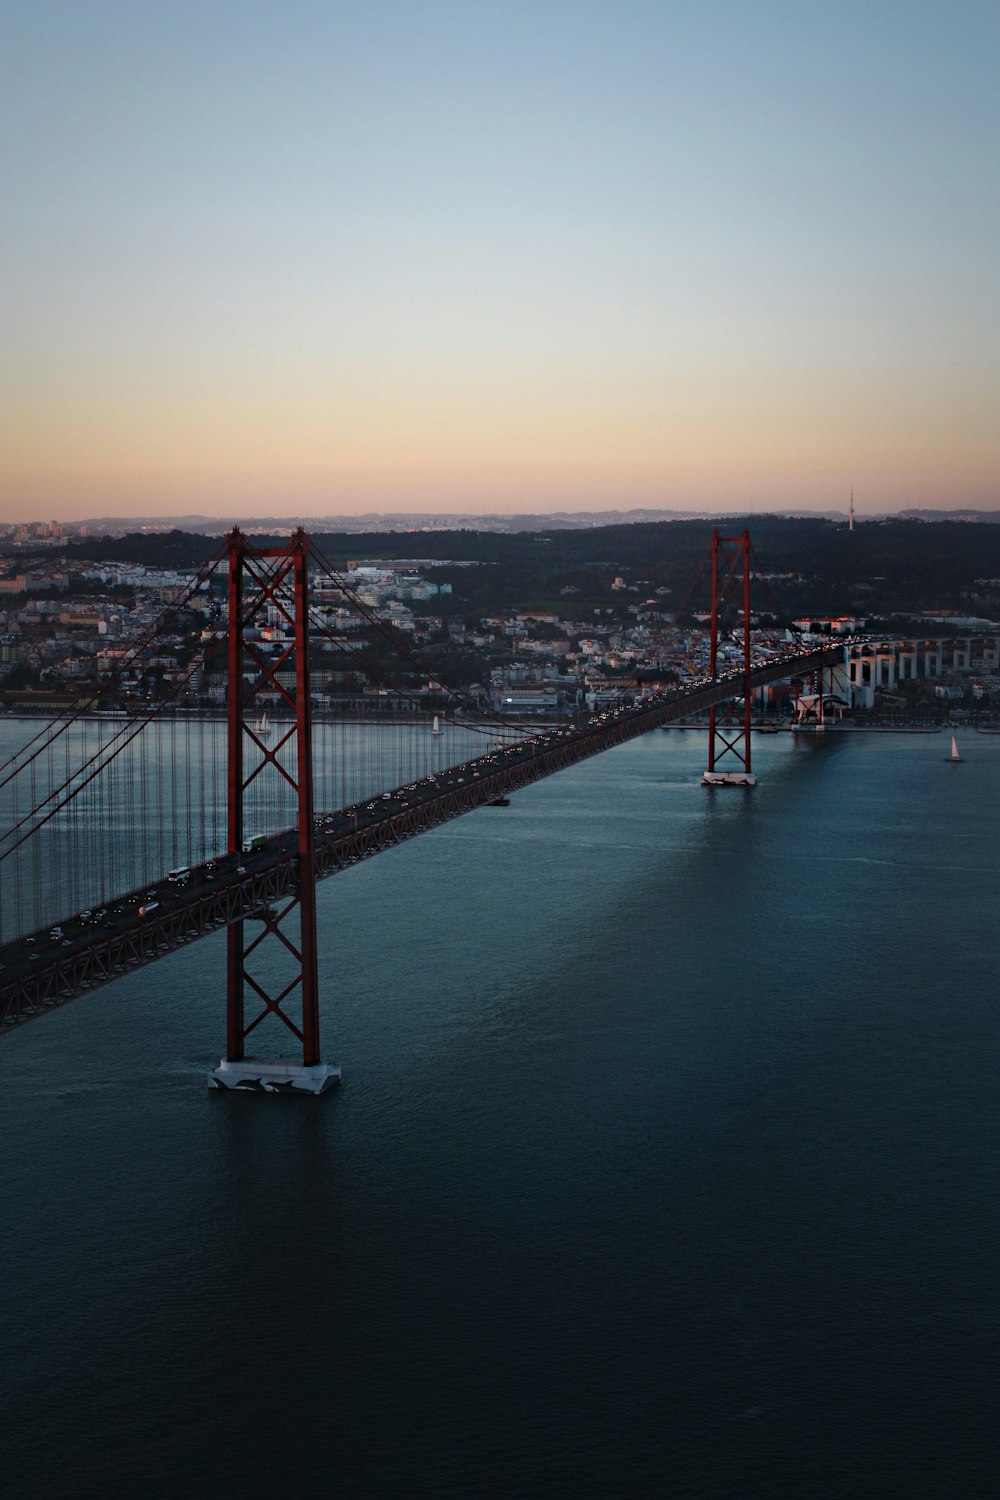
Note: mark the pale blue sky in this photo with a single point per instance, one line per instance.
(491, 255)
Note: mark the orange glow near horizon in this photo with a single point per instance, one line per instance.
(486, 450)
(560, 258)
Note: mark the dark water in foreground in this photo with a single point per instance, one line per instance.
(664, 1164)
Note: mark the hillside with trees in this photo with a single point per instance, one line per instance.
(809, 565)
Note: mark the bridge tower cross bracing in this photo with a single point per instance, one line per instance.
(271, 583)
(730, 583)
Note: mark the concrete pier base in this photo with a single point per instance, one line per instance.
(273, 1075)
(728, 778)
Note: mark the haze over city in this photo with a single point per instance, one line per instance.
(325, 258)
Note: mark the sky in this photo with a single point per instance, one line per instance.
(310, 257)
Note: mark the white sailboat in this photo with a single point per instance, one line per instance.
(262, 728)
(954, 752)
(436, 726)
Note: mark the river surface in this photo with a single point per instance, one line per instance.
(664, 1163)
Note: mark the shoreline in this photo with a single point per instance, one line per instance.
(829, 728)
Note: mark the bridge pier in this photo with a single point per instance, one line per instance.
(273, 1075)
(728, 778)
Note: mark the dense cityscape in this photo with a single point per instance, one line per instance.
(572, 635)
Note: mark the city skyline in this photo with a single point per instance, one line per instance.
(320, 259)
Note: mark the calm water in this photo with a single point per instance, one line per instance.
(664, 1164)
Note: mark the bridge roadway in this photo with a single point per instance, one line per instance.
(50, 967)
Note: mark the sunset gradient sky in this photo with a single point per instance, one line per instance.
(309, 257)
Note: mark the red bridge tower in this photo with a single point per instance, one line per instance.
(730, 594)
(270, 777)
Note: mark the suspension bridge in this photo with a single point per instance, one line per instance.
(129, 837)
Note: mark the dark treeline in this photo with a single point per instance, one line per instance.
(879, 568)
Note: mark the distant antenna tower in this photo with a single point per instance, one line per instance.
(851, 511)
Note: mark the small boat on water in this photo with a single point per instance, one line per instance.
(262, 728)
(954, 756)
(436, 726)
(499, 802)
(988, 728)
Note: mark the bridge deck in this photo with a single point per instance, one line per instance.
(39, 973)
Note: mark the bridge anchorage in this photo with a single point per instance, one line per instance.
(267, 586)
(730, 593)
